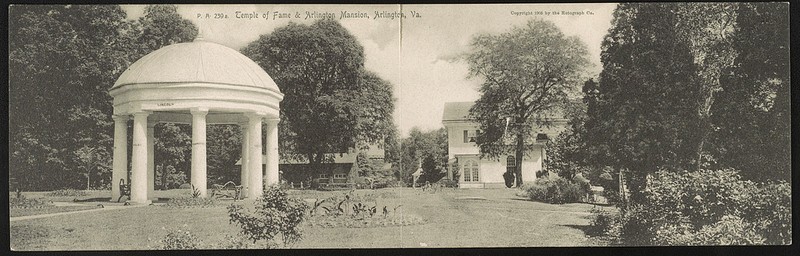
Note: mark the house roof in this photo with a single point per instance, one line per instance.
(456, 111)
(348, 158)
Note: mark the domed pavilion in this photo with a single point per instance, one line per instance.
(198, 83)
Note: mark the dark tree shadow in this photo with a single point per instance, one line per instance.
(94, 199)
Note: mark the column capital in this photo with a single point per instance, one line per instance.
(142, 113)
(272, 121)
(121, 118)
(199, 111)
(253, 116)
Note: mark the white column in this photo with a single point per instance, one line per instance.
(272, 152)
(120, 170)
(244, 179)
(199, 150)
(254, 159)
(151, 170)
(139, 158)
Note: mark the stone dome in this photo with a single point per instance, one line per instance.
(197, 62)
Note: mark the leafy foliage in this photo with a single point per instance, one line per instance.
(178, 239)
(28, 203)
(275, 213)
(554, 190)
(643, 110)
(57, 107)
(751, 111)
(60, 126)
(425, 148)
(331, 104)
(706, 207)
(526, 73)
(224, 149)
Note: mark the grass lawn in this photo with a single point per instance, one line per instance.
(451, 218)
(18, 212)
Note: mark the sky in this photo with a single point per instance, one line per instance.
(418, 53)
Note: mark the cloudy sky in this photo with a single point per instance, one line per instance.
(418, 53)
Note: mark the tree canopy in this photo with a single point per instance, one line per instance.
(58, 107)
(331, 103)
(427, 149)
(526, 73)
(685, 86)
(60, 111)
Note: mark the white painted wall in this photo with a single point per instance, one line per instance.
(492, 169)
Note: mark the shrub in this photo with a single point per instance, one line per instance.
(66, 192)
(275, 213)
(178, 239)
(729, 230)
(707, 207)
(554, 190)
(601, 222)
(237, 242)
(28, 203)
(770, 207)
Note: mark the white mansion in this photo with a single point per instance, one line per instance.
(477, 172)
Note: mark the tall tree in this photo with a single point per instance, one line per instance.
(331, 104)
(526, 72)
(708, 30)
(427, 149)
(751, 114)
(662, 65)
(61, 60)
(645, 102)
(161, 25)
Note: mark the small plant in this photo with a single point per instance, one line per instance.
(275, 214)
(317, 203)
(195, 192)
(178, 239)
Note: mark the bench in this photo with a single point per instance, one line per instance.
(228, 190)
(124, 189)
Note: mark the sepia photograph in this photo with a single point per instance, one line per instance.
(322, 126)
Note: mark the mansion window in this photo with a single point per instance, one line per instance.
(323, 175)
(511, 162)
(469, 135)
(470, 171)
(542, 137)
(340, 176)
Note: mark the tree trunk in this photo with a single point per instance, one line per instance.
(164, 177)
(702, 130)
(519, 150)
